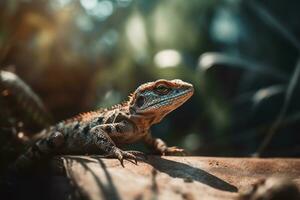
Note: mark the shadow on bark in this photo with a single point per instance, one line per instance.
(184, 171)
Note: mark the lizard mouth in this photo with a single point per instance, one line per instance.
(181, 97)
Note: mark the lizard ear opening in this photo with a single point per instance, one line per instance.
(140, 101)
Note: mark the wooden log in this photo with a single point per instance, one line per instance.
(157, 177)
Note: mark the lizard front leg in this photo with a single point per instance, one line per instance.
(103, 141)
(161, 147)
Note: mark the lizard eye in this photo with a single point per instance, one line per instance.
(161, 89)
(140, 101)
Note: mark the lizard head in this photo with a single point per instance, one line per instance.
(159, 97)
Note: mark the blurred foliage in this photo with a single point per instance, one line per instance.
(79, 55)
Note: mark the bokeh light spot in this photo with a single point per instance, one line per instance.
(224, 27)
(123, 3)
(167, 58)
(100, 10)
(89, 4)
(136, 34)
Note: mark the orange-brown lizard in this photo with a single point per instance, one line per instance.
(103, 131)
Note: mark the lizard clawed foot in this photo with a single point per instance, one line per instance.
(127, 155)
(174, 151)
(138, 154)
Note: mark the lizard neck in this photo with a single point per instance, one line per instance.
(145, 120)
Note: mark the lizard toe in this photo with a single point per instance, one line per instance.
(129, 156)
(119, 155)
(125, 155)
(175, 151)
(138, 154)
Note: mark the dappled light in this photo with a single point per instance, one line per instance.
(79, 55)
(60, 58)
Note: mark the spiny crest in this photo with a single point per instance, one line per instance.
(86, 116)
(131, 98)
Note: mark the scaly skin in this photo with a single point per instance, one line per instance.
(103, 131)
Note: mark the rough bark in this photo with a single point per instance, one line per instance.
(173, 177)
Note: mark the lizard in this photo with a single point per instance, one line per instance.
(103, 131)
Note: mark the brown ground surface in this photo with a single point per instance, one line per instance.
(173, 177)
